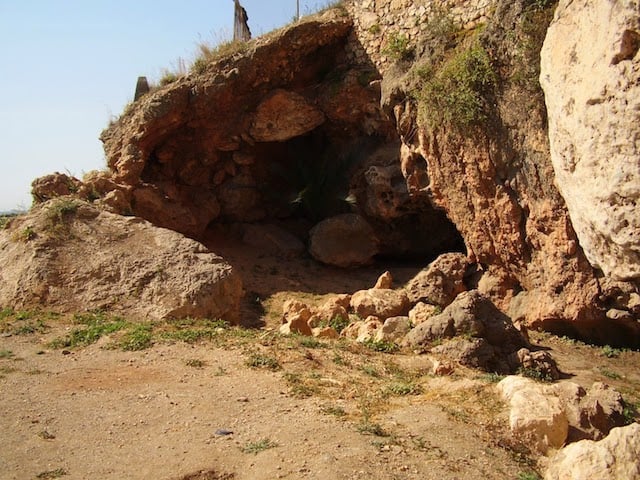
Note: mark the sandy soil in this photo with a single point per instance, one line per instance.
(328, 410)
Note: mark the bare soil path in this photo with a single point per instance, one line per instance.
(250, 404)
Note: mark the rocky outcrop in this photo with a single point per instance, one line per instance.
(484, 337)
(68, 256)
(591, 78)
(612, 458)
(548, 416)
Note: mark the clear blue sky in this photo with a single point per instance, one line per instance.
(68, 66)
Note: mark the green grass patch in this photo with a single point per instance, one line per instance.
(257, 360)
(610, 352)
(381, 346)
(4, 353)
(398, 47)
(311, 342)
(137, 337)
(404, 388)
(94, 326)
(259, 446)
(610, 374)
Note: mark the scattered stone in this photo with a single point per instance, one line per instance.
(382, 303)
(613, 458)
(54, 185)
(295, 318)
(325, 332)
(440, 282)
(385, 281)
(442, 368)
(393, 329)
(488, 337)
(421, 312)
(343, 241)
(539, 362)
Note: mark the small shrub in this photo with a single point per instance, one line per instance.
(374, 29)
(299, 388)
(195, 363)
(311, 342)
(371, 428)
(404, 388)
(398, 47)
(371, 371)
(610, 352)
(4, 353)
(259, 446)
(491, 377)
(27, 234)
(335, 411)
(209, 54)
(257, 360)
(381, 346)
(535, 374)
(60, 209)
(456, 93)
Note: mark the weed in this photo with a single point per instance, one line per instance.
(4, 353)
(374, 29)
(311, 342)
(370, 370)
(610, 374)
(96, 325)
(4, 221)
(398, 47)
(370, 428)
(404, 388)
(27, 234)
(259, 446)
(528, 476)
(491, 377)
(60, 209)
(339, 360)
(630, 411)
(298, 386)
(381, 346)
(335, 411)
(50, 474)
(441, 25)
(45, 435)
(139, 337)
(610, 352)
(208, 53)
(535, 374)
(455, 94)
(195, 363)
(258, 360)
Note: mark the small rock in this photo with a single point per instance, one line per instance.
(393, 329)
(384, 281)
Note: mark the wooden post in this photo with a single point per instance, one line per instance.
(241, 31)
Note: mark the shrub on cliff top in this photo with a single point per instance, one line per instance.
(455, 94)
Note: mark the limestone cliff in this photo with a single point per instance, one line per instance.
(425, 117)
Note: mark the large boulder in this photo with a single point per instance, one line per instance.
(343, 241)
(535, 417)
(613, 458)
(68, 256)
(591, 78)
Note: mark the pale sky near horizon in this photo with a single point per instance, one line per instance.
(69, 66)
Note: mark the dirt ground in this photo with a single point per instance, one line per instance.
(250, 404)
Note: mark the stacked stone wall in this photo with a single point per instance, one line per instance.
(378, 22)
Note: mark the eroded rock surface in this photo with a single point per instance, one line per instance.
(590, 75)
(68, 256)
